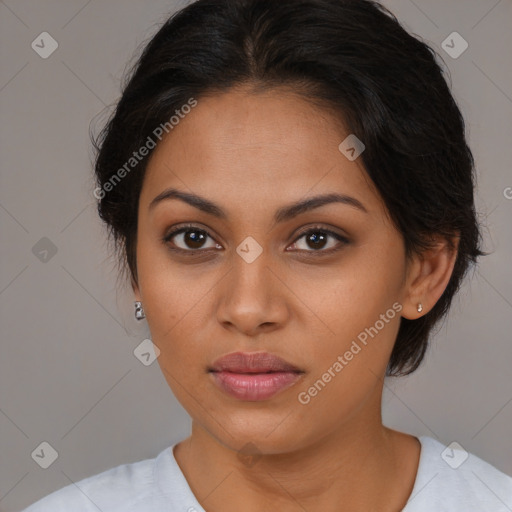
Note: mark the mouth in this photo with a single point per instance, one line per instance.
(253, 376)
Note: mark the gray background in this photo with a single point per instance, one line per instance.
(68, 374)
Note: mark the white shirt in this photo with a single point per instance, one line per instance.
(158, 485)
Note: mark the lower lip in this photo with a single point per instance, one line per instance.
(254, 386)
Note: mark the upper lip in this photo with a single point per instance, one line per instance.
(253, 362)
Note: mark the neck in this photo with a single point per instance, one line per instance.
(363, 465)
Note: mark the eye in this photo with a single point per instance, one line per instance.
(190, 237)
(317, 238)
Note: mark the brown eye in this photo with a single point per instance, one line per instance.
(317, 240)
(189, 238)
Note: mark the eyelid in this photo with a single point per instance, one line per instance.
(321, 228)
(183, 228)
(308, 229)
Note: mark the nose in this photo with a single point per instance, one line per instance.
(253, 297)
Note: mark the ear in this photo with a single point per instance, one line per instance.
(428, 275)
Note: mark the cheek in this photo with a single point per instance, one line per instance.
(175, 313)
(177, 303)
(168, 290)
(350, 364)
(358, 305)
(351, 296)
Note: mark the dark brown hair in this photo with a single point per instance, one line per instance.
(350, 54)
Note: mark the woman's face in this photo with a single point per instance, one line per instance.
(247, 278)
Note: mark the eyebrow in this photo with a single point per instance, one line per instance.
(282, 214)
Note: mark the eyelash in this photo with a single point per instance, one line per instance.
(314, 229)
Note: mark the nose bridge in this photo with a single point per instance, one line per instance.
(250, 278)
(251, 259)
(251, 295)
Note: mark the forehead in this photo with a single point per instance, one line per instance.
(244, 146)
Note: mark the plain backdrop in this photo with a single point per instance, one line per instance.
(68, 373)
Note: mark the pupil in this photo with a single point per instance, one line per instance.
(315, 238)
(194, 238)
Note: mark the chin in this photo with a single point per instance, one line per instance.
(262, 432)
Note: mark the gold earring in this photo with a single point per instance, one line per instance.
(420, 308)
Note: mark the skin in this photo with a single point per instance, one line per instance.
(252, 154)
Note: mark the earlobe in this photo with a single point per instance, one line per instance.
(428, 276)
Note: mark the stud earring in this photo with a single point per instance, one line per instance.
(420, 308)
(139, 312)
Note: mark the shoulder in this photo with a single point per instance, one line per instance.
(451, 479)
(126, 487)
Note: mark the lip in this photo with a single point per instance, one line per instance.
(253, 376)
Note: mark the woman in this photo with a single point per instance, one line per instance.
(291, 193)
